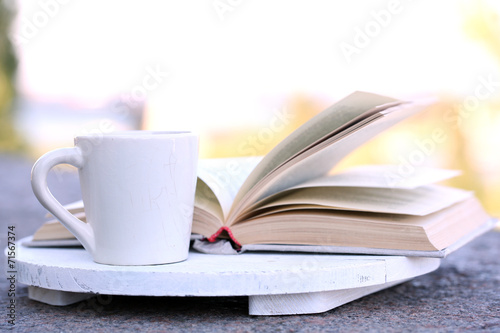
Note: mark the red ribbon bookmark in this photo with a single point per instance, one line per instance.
(213, 238)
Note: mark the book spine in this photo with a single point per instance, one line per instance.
(214, 237)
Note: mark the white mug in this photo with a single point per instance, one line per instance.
(138, 191)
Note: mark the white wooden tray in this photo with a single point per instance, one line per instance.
(276, 283)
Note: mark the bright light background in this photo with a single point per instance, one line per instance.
(232, 62)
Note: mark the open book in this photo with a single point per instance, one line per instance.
(287, 200)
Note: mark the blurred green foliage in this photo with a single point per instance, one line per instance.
(9, 139)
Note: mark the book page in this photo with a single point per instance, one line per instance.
(224, 176)
(447, 228)
(383, 176)
(317, 162)
(206, 200)
(420, 201)
(323, 124)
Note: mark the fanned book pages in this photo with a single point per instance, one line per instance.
(288, 200)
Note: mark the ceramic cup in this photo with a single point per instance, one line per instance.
(138, 191)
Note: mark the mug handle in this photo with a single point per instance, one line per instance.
(73, 156)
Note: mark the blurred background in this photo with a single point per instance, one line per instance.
(244, 74)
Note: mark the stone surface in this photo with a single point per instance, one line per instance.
(463, 294)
